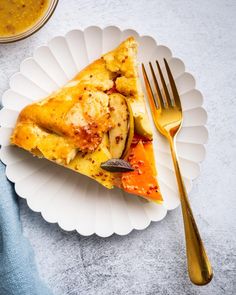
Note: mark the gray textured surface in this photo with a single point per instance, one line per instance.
(203, 34)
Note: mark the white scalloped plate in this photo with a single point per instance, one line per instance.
(75, 201)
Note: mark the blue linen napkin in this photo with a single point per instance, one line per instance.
(18, 272)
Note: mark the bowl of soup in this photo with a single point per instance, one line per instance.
(21, 18)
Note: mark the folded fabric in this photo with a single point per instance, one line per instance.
(18, 272)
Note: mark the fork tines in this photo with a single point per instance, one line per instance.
(164, 101)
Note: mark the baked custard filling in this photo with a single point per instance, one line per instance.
(97, 116)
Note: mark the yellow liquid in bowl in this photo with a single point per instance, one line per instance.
(17, 16)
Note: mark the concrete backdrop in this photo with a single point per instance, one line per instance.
(203, 34)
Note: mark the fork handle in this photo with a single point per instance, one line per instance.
(199, 266)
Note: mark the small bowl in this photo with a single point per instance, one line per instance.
(38, 25)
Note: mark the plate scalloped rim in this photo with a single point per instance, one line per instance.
(72, 200)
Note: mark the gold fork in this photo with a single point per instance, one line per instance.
(168, 117)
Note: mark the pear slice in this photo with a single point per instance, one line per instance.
(142, 125)
(131, 130)
(120, 117)
(141, 121)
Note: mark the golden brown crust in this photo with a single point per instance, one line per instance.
(73, 120)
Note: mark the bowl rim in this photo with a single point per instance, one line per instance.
(36, 27)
